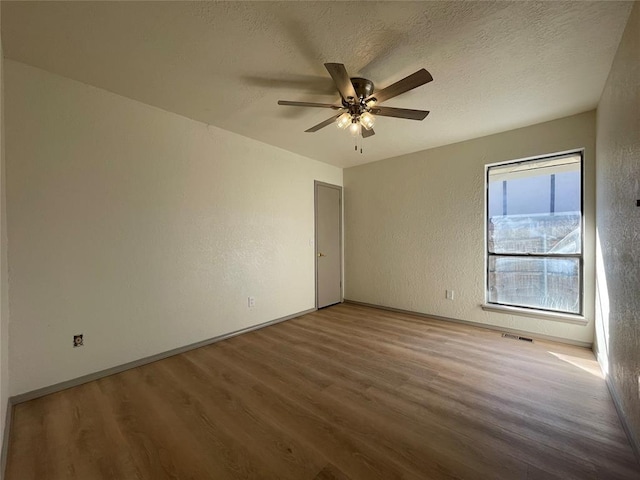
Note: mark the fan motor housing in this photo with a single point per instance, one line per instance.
(362, 86)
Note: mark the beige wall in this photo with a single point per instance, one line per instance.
(414, 226)
(4, 280)
(142, 229)
(618, 225)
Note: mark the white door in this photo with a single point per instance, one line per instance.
(328, 244)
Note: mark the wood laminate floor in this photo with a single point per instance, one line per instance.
(347, 392)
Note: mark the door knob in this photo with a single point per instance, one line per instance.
(321, 254)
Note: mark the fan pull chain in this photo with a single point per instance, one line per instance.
(359, 138)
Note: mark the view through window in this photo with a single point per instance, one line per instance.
(534, 233)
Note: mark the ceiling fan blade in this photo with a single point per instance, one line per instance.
(408, 83)
(342, 80)
(317, 127)
(367, 133)
(309, 104)
(400, 113)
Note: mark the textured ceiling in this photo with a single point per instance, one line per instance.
(496, 66)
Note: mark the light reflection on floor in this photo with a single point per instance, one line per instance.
(589, 365)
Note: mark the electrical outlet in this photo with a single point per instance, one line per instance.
(78, 341)
(251, 302)
(450, 294)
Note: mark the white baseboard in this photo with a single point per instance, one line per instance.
(476, 324)
(633, 440)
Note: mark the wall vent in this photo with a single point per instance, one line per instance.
(517, 337)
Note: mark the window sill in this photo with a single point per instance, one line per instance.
(542, 315)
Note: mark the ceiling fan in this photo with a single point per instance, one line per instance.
(360, 103)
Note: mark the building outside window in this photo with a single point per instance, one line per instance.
(534, 233)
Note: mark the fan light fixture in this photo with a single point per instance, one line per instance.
(354, 128)
(344, 120)
(367, 120)
(354, 122)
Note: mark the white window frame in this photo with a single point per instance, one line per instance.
(577, 318)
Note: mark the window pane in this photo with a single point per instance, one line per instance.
(535, 233)
(535, 206)
(544, 283)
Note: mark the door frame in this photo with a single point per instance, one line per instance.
(316, 184)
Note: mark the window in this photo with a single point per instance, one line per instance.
(534, 234)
